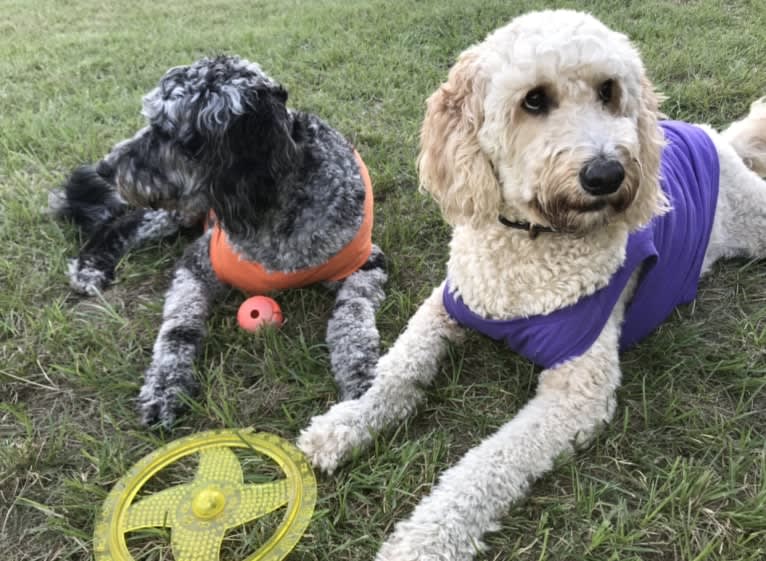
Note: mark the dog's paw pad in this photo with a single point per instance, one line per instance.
(86, 279)
(314, 447)
(150, 412)
(430, 539)
(157, 407)
(330, 438)
(168, 386)
(156, 414)
(403, 550)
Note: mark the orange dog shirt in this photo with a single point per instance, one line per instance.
(253, 278)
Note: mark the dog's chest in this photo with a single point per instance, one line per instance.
(502, 275)
(310, 226)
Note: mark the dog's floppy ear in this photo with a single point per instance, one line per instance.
(650, 200)
(251, 158)
(452, 165)
(263, 131)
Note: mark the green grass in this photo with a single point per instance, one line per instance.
(679, 475)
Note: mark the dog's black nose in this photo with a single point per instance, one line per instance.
(602, 176)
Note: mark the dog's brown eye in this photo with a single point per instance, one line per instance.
(536, 102)
(605, 91)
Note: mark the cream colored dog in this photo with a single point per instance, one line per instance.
(551, 124)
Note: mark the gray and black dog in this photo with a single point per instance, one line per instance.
(286, 189)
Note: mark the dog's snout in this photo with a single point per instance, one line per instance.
(602, 176)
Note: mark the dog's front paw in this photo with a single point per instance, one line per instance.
(159, 401)
(330, 438)
(406, 552)
(432, 541)
(86, 278)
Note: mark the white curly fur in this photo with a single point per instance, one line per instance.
(482, 155)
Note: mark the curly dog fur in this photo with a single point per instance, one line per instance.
(513, 132)
(285, 187)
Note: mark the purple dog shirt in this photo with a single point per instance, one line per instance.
(670, 250)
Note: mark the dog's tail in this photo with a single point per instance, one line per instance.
(87, 198)
(748, 137)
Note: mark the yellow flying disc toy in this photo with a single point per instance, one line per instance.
(216, 500)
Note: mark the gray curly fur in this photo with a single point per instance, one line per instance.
(352, 336)
(285, 187)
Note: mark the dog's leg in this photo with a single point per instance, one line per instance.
(573, 400)
(748, 137)
(739, 226)
(352, 335)
(186, 309)
(93, 268)
(400, 376)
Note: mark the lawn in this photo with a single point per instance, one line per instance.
(679, 475)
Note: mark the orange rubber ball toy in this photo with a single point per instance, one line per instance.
(257, 311)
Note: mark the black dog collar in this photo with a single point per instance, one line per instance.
(533, 229)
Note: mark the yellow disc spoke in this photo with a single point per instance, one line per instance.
(196, 546)
(155, 511)
(259, 499)
(219, 464)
